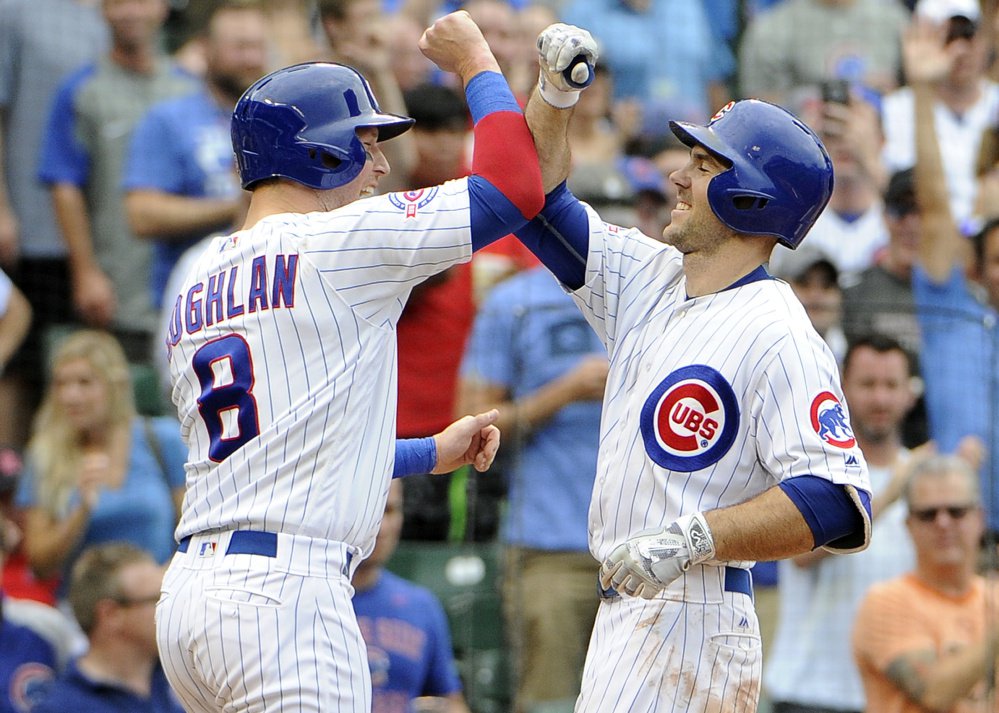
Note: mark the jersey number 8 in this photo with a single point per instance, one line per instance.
(225, 371)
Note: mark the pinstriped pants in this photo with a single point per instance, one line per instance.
(671, 656)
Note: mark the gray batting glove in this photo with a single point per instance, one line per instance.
(646, 564)
(558, 46)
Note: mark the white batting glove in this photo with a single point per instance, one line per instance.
(558, 46)
(646, 564)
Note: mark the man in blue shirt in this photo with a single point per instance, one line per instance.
(179, 177)
(113, 592)
(26, 659)
(533, 356)
(404, 627)
(957, 315)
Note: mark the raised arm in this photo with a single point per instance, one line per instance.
(927, 61)
(505, 186)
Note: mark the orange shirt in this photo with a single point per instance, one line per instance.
(904, 615)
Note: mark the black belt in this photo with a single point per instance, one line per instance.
(736, 580)
(245, 542)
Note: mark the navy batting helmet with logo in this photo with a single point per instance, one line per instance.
(779, 178)
(300, 123)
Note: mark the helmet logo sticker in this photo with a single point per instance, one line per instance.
(830, 422)
(721, 112)
(352, 106)
(690, 419)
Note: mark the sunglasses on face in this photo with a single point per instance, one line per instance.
(960, 28)
(954, 512)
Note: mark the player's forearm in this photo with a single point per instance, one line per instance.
(767, 527)
(550, 126)
(503, 152)
(71, 214)
(161, 215)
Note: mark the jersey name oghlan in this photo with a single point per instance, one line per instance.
(204, 304)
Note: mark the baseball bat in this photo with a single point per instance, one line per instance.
(579, 73)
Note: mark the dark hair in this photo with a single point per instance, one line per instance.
(979, 238)
(882, 344)
(900, 195)
(436, 108)
(223, 6)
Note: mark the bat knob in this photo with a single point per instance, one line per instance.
(579, 73)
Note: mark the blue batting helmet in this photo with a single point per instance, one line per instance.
(300, 123)
(779, 177)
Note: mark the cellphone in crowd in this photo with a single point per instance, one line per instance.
(836, 91)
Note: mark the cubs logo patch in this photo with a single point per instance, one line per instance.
(829, 421)
(690, 419)
(411, 201)
(28, 685)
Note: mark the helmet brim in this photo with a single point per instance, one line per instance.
(389, 125)
(693, 135)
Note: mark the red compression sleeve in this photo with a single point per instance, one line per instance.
(501, 140)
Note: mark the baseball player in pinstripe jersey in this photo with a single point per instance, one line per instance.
(724, 436)
(283, 364)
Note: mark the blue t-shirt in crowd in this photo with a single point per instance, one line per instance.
(73, 691)
(27, 667)
(409, 644)
(528, 333)
(182, 146)
(141, 511)
(960, 364)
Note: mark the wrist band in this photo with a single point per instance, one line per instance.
(554, 96)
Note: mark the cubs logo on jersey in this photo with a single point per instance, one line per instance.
(829, 421)
(690, 419)
(29, 684)
(412, 201)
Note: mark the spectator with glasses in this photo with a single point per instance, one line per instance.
(113, 593)
(924, 641)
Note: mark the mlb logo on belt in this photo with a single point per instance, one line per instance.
(829, 421)
(207, 549)
(690, 419)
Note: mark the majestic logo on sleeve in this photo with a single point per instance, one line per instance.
(690, 420)
(411, 201)
(829, 421)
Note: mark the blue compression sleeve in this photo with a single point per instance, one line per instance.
(414, 456)
(831, 514)
(488, 92)
(560, 237)
(492, 213)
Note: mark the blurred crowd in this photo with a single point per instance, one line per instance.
(116, 165)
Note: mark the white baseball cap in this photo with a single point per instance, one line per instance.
(943, 10)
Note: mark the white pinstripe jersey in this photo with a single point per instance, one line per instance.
(710, 401)
(283, 362)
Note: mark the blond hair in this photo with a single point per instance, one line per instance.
(55, 448)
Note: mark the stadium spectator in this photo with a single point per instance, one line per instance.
(927, 640)
(180, 178)
(43, 40)
(96, 471)
(113, 593)
(405, 629)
